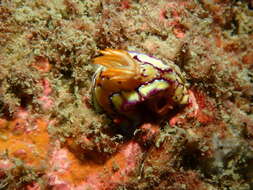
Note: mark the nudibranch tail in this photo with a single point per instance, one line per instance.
(120, 66)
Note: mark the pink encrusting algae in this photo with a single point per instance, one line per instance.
(45, 100)
(197, 134)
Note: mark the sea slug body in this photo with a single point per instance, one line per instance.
(136, 86)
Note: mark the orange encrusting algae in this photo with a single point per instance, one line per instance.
(28, 139)
(80, 170)
(30, 146)
(115, 168)
(86, 173)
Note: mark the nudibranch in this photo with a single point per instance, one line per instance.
(136, 86)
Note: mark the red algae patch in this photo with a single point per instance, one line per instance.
(42, 64)
(248, 59)
(198, 108)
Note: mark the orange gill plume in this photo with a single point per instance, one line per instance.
(120, 66)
